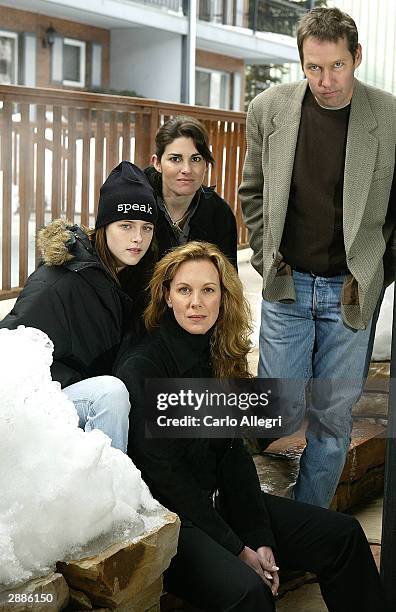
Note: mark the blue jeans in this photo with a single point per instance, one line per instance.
(306, 340)
(102, 403)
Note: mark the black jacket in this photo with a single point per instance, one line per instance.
(76, 303)
(213, 221)
(183, 474)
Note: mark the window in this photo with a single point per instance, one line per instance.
(212, 88)
(73, 62)
(217, 11)
(96, 65)
(8, 57)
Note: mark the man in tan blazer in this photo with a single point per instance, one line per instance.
(318, 200)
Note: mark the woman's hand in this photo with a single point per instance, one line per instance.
(267, 560)
(263, 563)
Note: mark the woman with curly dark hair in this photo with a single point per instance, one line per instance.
(229, 549)
(187, 210)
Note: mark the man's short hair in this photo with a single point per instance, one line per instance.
(329, 24)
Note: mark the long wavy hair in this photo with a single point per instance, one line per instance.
(230, 339)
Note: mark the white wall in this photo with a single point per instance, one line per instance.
(376, 23)
(148, 61)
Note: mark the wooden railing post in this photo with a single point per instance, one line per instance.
(6, 146)
(72, 154)
(40, 174)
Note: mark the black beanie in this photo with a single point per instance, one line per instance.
(126, 195)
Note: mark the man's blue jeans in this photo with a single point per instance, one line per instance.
(102, 403)
(305, 340)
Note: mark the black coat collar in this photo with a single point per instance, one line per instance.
(188, 350)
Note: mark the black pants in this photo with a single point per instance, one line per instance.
(327, 543)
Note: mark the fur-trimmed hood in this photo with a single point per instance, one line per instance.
(64, 244)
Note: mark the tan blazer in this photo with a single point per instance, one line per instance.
(272, 128)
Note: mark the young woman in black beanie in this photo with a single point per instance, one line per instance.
(88, 291)
(187, 210)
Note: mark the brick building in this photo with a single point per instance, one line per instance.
(138, 45)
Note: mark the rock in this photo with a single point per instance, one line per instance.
(372, 405)
(46, 594)
(378, 377)
(376, 550)
(379, 369)
(366, 451)
(79, 601)
(126, 576)
(305, 599)
(362, 477)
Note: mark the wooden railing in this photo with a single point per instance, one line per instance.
(57, 147)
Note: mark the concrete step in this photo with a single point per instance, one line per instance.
(361, 479)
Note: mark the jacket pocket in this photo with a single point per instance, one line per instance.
(382, 173)
(350, 291)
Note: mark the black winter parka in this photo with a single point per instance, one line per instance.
(183, 474)
(76, 303)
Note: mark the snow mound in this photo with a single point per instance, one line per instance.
(383, 332)
(60, 487)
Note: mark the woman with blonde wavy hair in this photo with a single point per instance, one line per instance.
(229, 340)
(230, 530)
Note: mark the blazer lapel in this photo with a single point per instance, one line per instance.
(282, 147)
(361, 152)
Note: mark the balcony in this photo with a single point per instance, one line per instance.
(277, 16)
(173, 6)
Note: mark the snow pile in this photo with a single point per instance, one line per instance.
(383, 332)
(60, 487)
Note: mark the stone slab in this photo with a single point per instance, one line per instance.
(369, 516)
(126, 572)
(79, 601)
(376, 550)
(379, 369)
(171, 603)
(372, 405)
(147, 601)
(362, 477)
(52, 588)
(307, 598)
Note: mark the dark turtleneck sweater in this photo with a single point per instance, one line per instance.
(184, 473)
(313, 237)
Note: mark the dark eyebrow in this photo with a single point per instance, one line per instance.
(204, 284)
(181, 154)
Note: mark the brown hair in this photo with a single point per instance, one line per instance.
(98, 238)
(180, 126)
(329, 24)
(230, 341)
